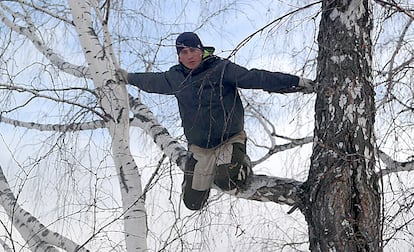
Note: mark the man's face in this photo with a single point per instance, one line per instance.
(190, 57)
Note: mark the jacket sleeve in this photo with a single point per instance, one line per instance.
(261, 79)
(152, 82)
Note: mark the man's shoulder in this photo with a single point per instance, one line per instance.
(175, 68)
(215, 61)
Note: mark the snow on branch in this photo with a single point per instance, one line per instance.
(37, 235)
(29, 32)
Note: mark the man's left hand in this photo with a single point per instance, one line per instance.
(307, 85)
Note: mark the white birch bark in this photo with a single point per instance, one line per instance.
(6, 247)
(114, 101)
(55, 127)
(37, 236)
(29, 32)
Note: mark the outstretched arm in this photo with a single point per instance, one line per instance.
(148, 82)
(269, 81)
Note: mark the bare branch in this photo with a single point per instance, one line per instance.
(393, 166)
(46, 11)
(246, 40)
(144, 118)
(38, 94)
(392, 69)
(32, 230)
(278, 148)
(56, 59)
(395, 6)
(55, 127)
(271, 131)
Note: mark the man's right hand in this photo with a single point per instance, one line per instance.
(122, 74)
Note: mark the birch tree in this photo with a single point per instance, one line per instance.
(343, 202)
(114, 102)
(341, 198)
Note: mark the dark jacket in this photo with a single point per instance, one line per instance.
(209, 103)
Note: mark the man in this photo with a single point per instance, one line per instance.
(212, 113)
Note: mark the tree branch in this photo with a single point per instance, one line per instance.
(393, 166)
(55, 127)
(282, 147)
(144, 118)
(246, 40)
(46, 11)
(38, 94)
(29, 32)
(31, 229)
(271, 189)
(395, 6)
(271, 131)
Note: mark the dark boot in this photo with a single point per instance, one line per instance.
(193, 199)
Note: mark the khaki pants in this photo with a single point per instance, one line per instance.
(226, 165)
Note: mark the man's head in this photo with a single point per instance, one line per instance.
(189, 49)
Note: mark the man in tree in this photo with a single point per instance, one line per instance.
(212, 113)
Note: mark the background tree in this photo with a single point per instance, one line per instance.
(75, 146)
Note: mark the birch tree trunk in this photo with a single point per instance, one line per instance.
(342, 203)
(114, 102)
